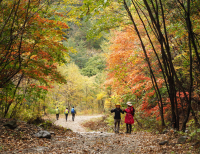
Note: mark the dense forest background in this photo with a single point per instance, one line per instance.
(93, 54)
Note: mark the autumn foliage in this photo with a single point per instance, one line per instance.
(156, 63)
(128, 70)
(31, 49)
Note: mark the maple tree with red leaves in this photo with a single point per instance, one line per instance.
(172, 79)
(128, 70)
(31, 49)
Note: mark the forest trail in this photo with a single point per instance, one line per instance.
(96, 142)
(75, 125)
(108, 143)
(81, 141)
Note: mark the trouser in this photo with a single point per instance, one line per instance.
(117, 125)
(128, 128)
(73, 116)
(66, 115)
(57, 116)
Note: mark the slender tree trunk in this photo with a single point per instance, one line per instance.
(154, 82)
(9, 103)
(191, 72)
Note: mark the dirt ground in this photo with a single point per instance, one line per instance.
(75, 125)
(109, 143)
(82, 141)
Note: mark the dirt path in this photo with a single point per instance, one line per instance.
(83, 142)
(94, 142)
(109, 143)
(75, 126)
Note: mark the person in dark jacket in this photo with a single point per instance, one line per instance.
(73, 112)
(117, 117)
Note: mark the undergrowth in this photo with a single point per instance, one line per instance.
(99, 124)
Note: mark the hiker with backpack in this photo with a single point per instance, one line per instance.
(117, 117)
(57, 113)
(73, 112)
(130, 111)
(66, 113)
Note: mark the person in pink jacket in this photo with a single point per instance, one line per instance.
(130, 111)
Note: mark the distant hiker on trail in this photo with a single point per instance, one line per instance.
(57, 113)
(117, 116)
(73, 112)
(130, 111)
(66, 113)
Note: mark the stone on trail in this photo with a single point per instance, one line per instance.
(40, 149)
(43, 134)
(165, 131)
(182, 139)
(163, 142)
(52, 133)
(11, 124)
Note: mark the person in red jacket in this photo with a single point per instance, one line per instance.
(129, 117)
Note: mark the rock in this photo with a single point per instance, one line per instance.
(182, 139)
(43, 134)
(40, 149)
(52, 133)
(165, 131)
(163, 142)
(11, 124)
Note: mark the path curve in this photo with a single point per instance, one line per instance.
(75, 126)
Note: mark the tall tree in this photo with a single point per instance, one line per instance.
(30, 48)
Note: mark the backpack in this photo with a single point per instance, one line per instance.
(66, 111)
(57, 111)
(72, 110)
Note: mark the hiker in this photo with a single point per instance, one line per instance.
(130, 111)
(66, 113)
(117, 117)
(73, 112)
(57, 113)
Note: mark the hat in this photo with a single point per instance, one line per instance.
(129, 104)
(117, 104)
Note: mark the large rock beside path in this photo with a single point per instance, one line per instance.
(43, 134)
(164, 142)
(11, 124)
(182, 139)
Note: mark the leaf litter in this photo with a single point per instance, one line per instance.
(21, 140)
